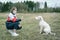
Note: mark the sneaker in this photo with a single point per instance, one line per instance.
(15, 34)
(10, 31)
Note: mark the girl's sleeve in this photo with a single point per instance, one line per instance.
(12, 18)
(8, 19)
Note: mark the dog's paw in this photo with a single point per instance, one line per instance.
(40, 32)
(54, 34)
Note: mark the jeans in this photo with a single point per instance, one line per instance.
(13, 25)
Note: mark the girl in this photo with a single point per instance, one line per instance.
(12, 23)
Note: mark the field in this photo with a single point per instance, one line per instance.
(30, 30)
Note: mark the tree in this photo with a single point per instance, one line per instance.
(10, 5)
(1, 6)
(37, 5)
(21, 6)
(45, 5)
(30, 5)
(5, 7)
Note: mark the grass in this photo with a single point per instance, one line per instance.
(30, 30)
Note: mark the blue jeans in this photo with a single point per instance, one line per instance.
(13, 25)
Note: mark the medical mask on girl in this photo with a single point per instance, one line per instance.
(14, 11)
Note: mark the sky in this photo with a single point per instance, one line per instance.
(50, 3)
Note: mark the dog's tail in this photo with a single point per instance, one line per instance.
(52, 33)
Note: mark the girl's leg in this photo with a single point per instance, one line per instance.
(13, 32)
(17, 26)
(10, 31)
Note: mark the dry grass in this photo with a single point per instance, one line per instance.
(30, 30)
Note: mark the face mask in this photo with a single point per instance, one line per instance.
(14, 11)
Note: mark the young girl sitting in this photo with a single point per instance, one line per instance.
(12, 23)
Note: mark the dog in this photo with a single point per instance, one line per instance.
(44, 26)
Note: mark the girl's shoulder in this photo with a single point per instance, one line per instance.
(10, 14)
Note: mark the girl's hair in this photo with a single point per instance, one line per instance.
(13, 8)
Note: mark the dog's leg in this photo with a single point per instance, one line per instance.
(41, 29)
(52, 33)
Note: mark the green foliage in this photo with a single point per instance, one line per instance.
(5, 7)
(0, 6)
(27, 6)
(45, 5)
(56, 9)
(22, 7)
(30, 4)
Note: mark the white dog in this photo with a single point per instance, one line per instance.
(44, 26)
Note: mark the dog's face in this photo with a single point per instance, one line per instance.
(38, 18)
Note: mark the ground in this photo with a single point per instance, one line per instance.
(30, 30)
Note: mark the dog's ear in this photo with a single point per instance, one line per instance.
(40, 18)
